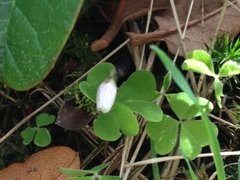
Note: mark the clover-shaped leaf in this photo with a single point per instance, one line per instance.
(44, 119)
(97, 75)
(150, 111)
(229, 68)
(202, 56)
(184, 107)
(28, 135)
(43, 137)
(164, 134)
(108, 126)
(140, 86)
(193, 137)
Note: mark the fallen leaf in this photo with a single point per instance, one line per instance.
(197, 34)
(70, 117)
(118, 13)
(43, 165)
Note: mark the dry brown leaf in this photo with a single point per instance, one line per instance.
(43, 165)
(117, 14)
(197, 33)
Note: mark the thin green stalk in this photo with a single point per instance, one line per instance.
(193, 176)
(156, 173)
(183, 84)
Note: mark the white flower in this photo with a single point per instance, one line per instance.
(106, 95)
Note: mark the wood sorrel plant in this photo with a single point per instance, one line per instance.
(136, 95)
(200, 61)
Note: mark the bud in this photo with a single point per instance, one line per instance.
(106, 95)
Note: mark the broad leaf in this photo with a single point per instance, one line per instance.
(164, 134)
(32, 36)
(43, 137)
(44, 119)
(184, 107)
(202, 56)
(196, 66)
(28, 135)
(97, 75)
(108, 125)
(193, 137)
(140, 86)
(150, 111)
(229, 68)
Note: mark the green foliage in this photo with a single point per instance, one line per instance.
(182, 83)
(193, 135)
(92, 174)
(203, 64)
(225, 49)
(39, 134)
(32, 36)
(136, 95)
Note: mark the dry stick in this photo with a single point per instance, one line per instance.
(24, 120)
(234, 6)
(146, 31)
(123, 157)
(223, 121)
(202, 76)
(225, 5)
(172, 158)
(135, 153)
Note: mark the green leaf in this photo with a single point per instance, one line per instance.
(83, 178)
(140, 86)
(164, 134)
(108, 125)
(32, 36)
(193, 137)
(202, 56)
(96, 76)
(109, 178)
(75, 172)
(167, 80)
(44, 119)
(149, 110)
(184, 107)
(182, 83)
(229, 68)
(218, 87)
(100, 167)
(43, 137)
(28, 135)
(196, 66)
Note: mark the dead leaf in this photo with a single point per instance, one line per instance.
(43, 165)
(70, 117)
(117, 14)
(197, 33)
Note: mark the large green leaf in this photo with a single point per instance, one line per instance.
(97, 75)
(32, 34)
(164, 134)
(140, 86)
(193, 137)
(150, 111)
(108, 125)
(184, 107)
